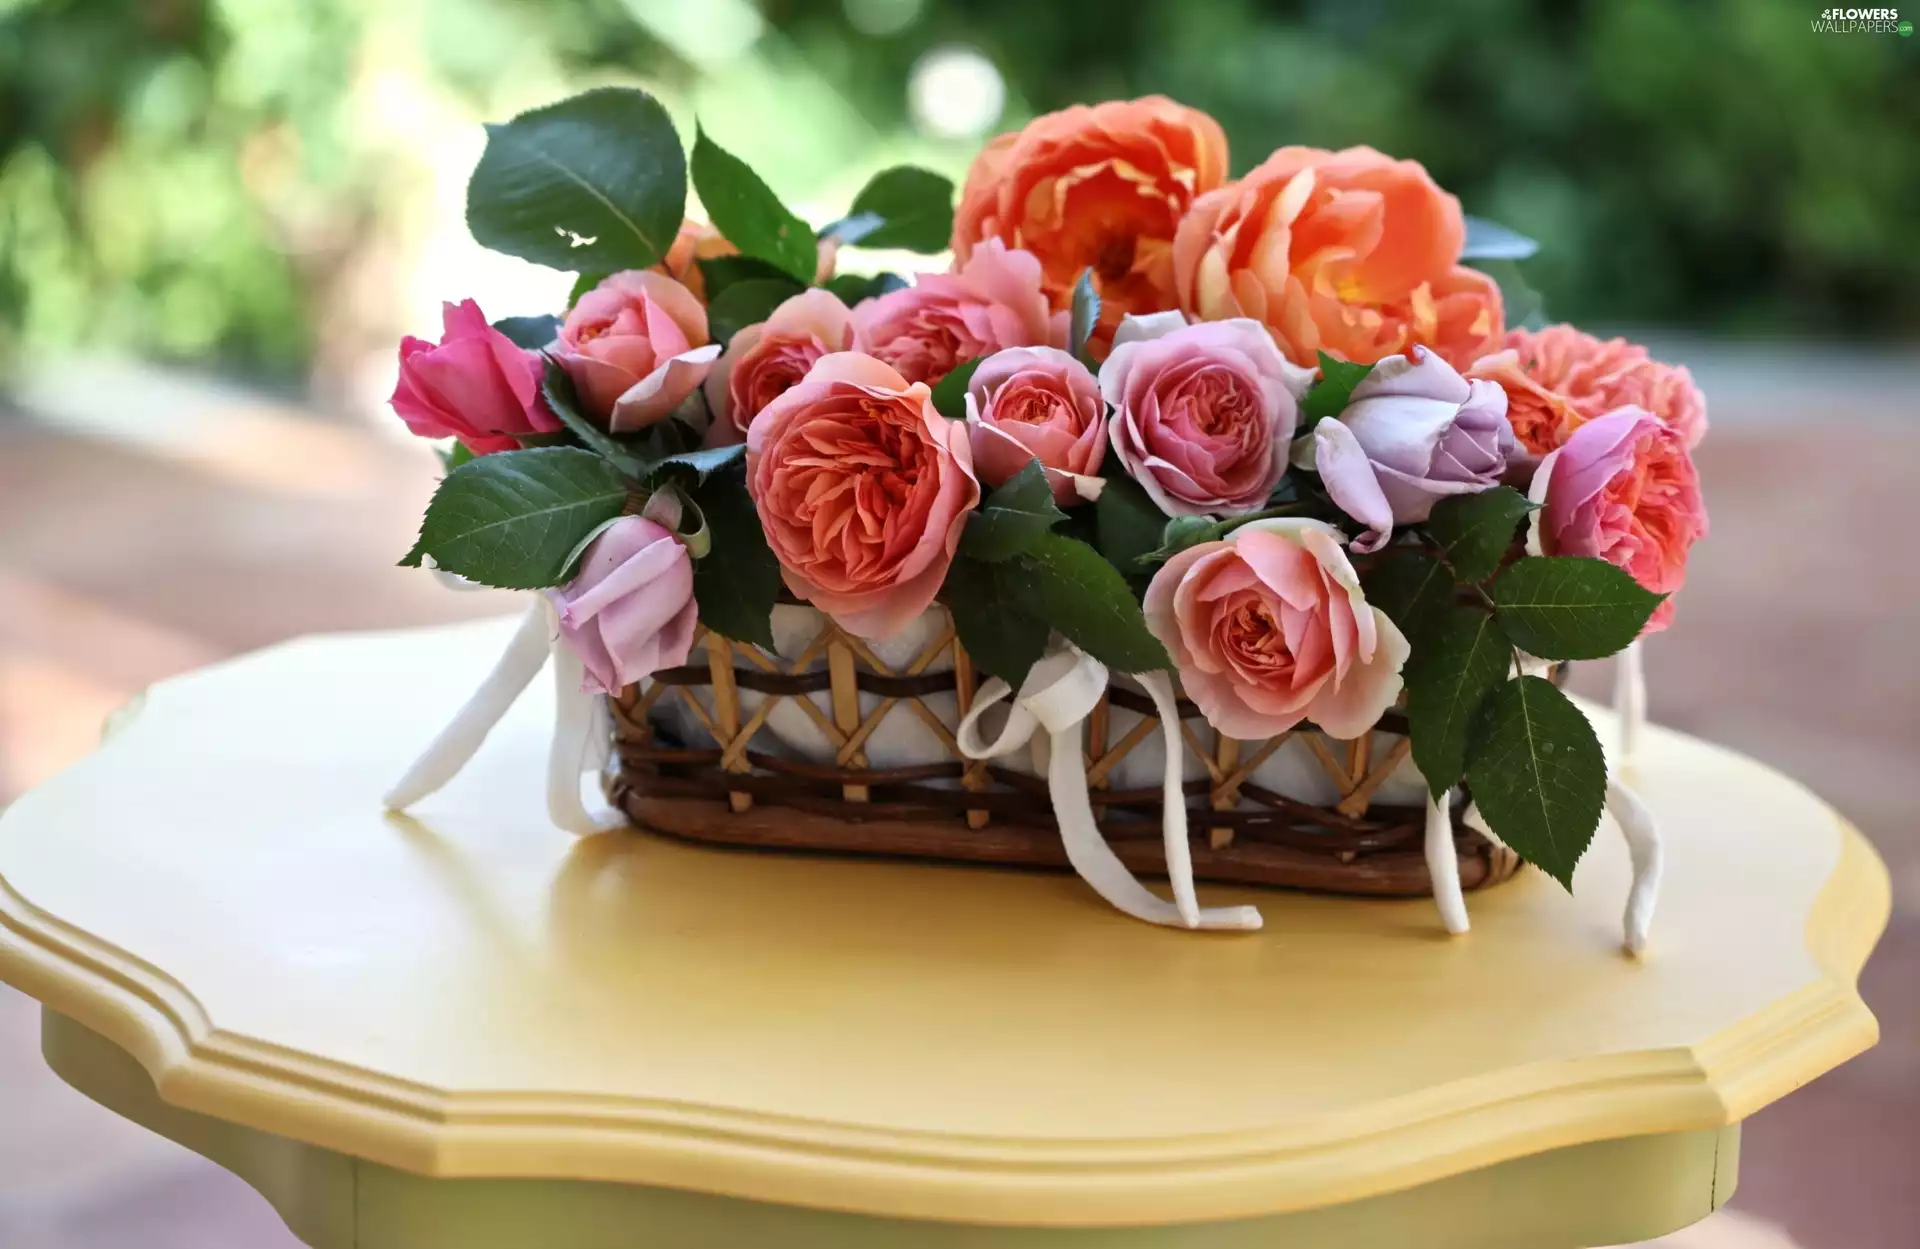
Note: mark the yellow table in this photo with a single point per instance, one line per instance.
(467, 1031)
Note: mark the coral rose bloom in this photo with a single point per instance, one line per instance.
(1038, 403)
(1623, 489)
(764, 361)
(1269, 627)
(992, 300)
(862, 489)
(635, 346)
(1351, 253)
(1559, 378)
(1099, 188)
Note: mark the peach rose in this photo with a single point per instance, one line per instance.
(698, 241)
(1099, 188)
(635, 347)
(1029, 403)
(1348, 252)
(862, 489)
(1203, 415)
(993, 300)
(1623, 489)
(764, 361)
(1269, 627)
(1559, 378)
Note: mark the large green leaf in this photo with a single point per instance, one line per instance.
(746, 302)
(717, 273)
(1413, 588)
(1013, 517)
(1570, 607)
(1458, 661)
(748, 213)
(1003, 638)
(1128, 524)
(1538, 774)
(905, 207)
(1331, 394)
(513, 519)
(1475, 531)
(592, 184)
(1066, 583)
(737, 584)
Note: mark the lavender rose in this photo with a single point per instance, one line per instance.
(631, 611)
(1414, 432)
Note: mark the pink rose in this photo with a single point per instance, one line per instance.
(635, 347)
(862, 489)
(630, 612)
(1559, 378)
(766, 360)
(1203, 415)
(1623, 489)
(995, 300)
(1413, 433)
(1038, 402)
(1268, 627)
(475, 385)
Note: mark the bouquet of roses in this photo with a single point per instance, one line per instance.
(1270, 435)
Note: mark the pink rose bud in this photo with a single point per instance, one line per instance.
(764, 361)
(1029, 403)
(475, 385)
(994, 300)
(1413, 433)
(630, 612)
(1623, 489)
(1268, 627)
(1203, 415)
(862, 489)
(636, 347)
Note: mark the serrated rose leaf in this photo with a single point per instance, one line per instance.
(1571, 607)
(513, 519)
(1458, 661)
(1538, 774)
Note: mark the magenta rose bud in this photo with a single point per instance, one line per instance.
(631, 611)
(994, 300)
(1028, 403)
(1623, 489)
(1203, 415)
(1414, 432)
(635, 346)
(1269, 626)
(474, 385)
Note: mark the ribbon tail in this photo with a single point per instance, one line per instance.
(1173, 799)
(518, 665)
(1443, 864)
(575, 718)
(1642, 833)
(1630, 700)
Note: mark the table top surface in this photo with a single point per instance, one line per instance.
(471, 992)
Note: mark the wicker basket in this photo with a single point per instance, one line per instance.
(688, 766)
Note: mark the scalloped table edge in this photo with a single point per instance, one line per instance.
(1411, 1141)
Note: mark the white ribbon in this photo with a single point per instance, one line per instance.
(582, 733)
(1058, 694)
(1630, 699)
(1443, 863)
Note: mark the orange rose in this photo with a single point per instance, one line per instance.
(1099, 188)
(1350, 252)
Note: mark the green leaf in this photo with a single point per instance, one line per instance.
(1331, 394)
(1475, 531)
(1085, 317)
(748, 214)
(454, 456)
(702, 462)
(1488, 240)
(583, 283)
(950, 392)
(1414, 589)
(595, 183)
(717, 273)
(1128, 525)
(533, 333)
(745, 303)
(1067, 584)
(854, 287)
(1459, 660)
(905, 207)
(513, 518)
(556, 387)
(1012, 518)
(1570, 607)
(1003, 638)
(1538, 774)
(735, 586)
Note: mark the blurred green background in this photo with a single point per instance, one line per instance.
(255, 183)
